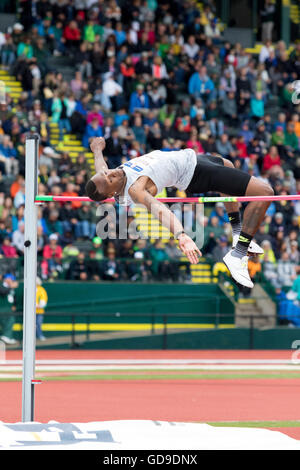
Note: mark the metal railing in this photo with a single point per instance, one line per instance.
(155, 319)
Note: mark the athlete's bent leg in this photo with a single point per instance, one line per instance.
(237, 260)
(255, 211)
(233, 212)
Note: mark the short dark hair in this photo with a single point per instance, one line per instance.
(93, 193)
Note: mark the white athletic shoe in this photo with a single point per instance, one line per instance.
(238, 268)
(7, 340)
(254, 248)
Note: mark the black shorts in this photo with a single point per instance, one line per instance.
(211, 175)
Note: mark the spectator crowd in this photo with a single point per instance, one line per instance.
(147, 74)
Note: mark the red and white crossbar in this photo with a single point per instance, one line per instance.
(290, 197)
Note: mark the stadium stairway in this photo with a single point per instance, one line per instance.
(12, 86)
(256, 310)
(295, 13)
(70, 144)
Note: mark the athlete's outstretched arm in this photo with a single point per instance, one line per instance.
(97, 146)
(168, 220)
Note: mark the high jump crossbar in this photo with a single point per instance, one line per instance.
(287, 197)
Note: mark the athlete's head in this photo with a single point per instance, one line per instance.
(105, 184)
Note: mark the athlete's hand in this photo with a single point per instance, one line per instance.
(97, 143)
(189, 248)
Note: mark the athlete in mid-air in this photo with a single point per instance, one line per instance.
(140, 179)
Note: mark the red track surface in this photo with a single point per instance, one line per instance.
(156, 354)
(167, 400)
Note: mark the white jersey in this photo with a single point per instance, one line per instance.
(165, 169)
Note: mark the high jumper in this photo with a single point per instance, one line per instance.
(140, 179)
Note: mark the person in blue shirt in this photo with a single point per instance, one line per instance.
(220, 212)
(246, 132)
(257, 107)
(92, 130)
(200, 85)
(9, 155)
(139, 100)
(120, 117)
(120, 34)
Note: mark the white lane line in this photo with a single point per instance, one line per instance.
(95, 368)
(125, 362)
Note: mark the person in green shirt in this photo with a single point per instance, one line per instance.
(290, 138)
(25, 48)
(160, 261)
(164, 46)
(70, 251)
(278, 136)
(97, 248)
(8, 285)
(59, 40)
(92, 32)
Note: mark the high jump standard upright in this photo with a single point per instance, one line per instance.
(30, 272)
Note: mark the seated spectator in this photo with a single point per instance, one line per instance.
(69, 250)
(86, 225)
(138, 130)
(8, 156)
(139, 100)
(220, 213)
(68, 217)
(220, 250)
(177, 262)
(8, 52)
(93, 129)
(191, 48)
(52, 257)
(160, 266)
(128, 72)
(18, 238)
(92, 32)
(24, 48)
(194, 142)
(277, 225)
(229, 108)
(114, 150)
(72, 36)
(157, 96)
(227, 84)
(200, 85)
(257, 107)
(71, 191)
(293, 251)
(290, 139)
(224, 147)
(93, 266)
(278, 138)
(7, 249)
(112, 91)
(143, 66)
(79, 269)
(110, 267)
(255, 268)
(19, 199)
(286, 271)
(268, 255)
(154, 137)
(241, 147)
(271, 159)
(212, 116)
(159, 70)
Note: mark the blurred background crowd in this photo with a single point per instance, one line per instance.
(147, 74)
